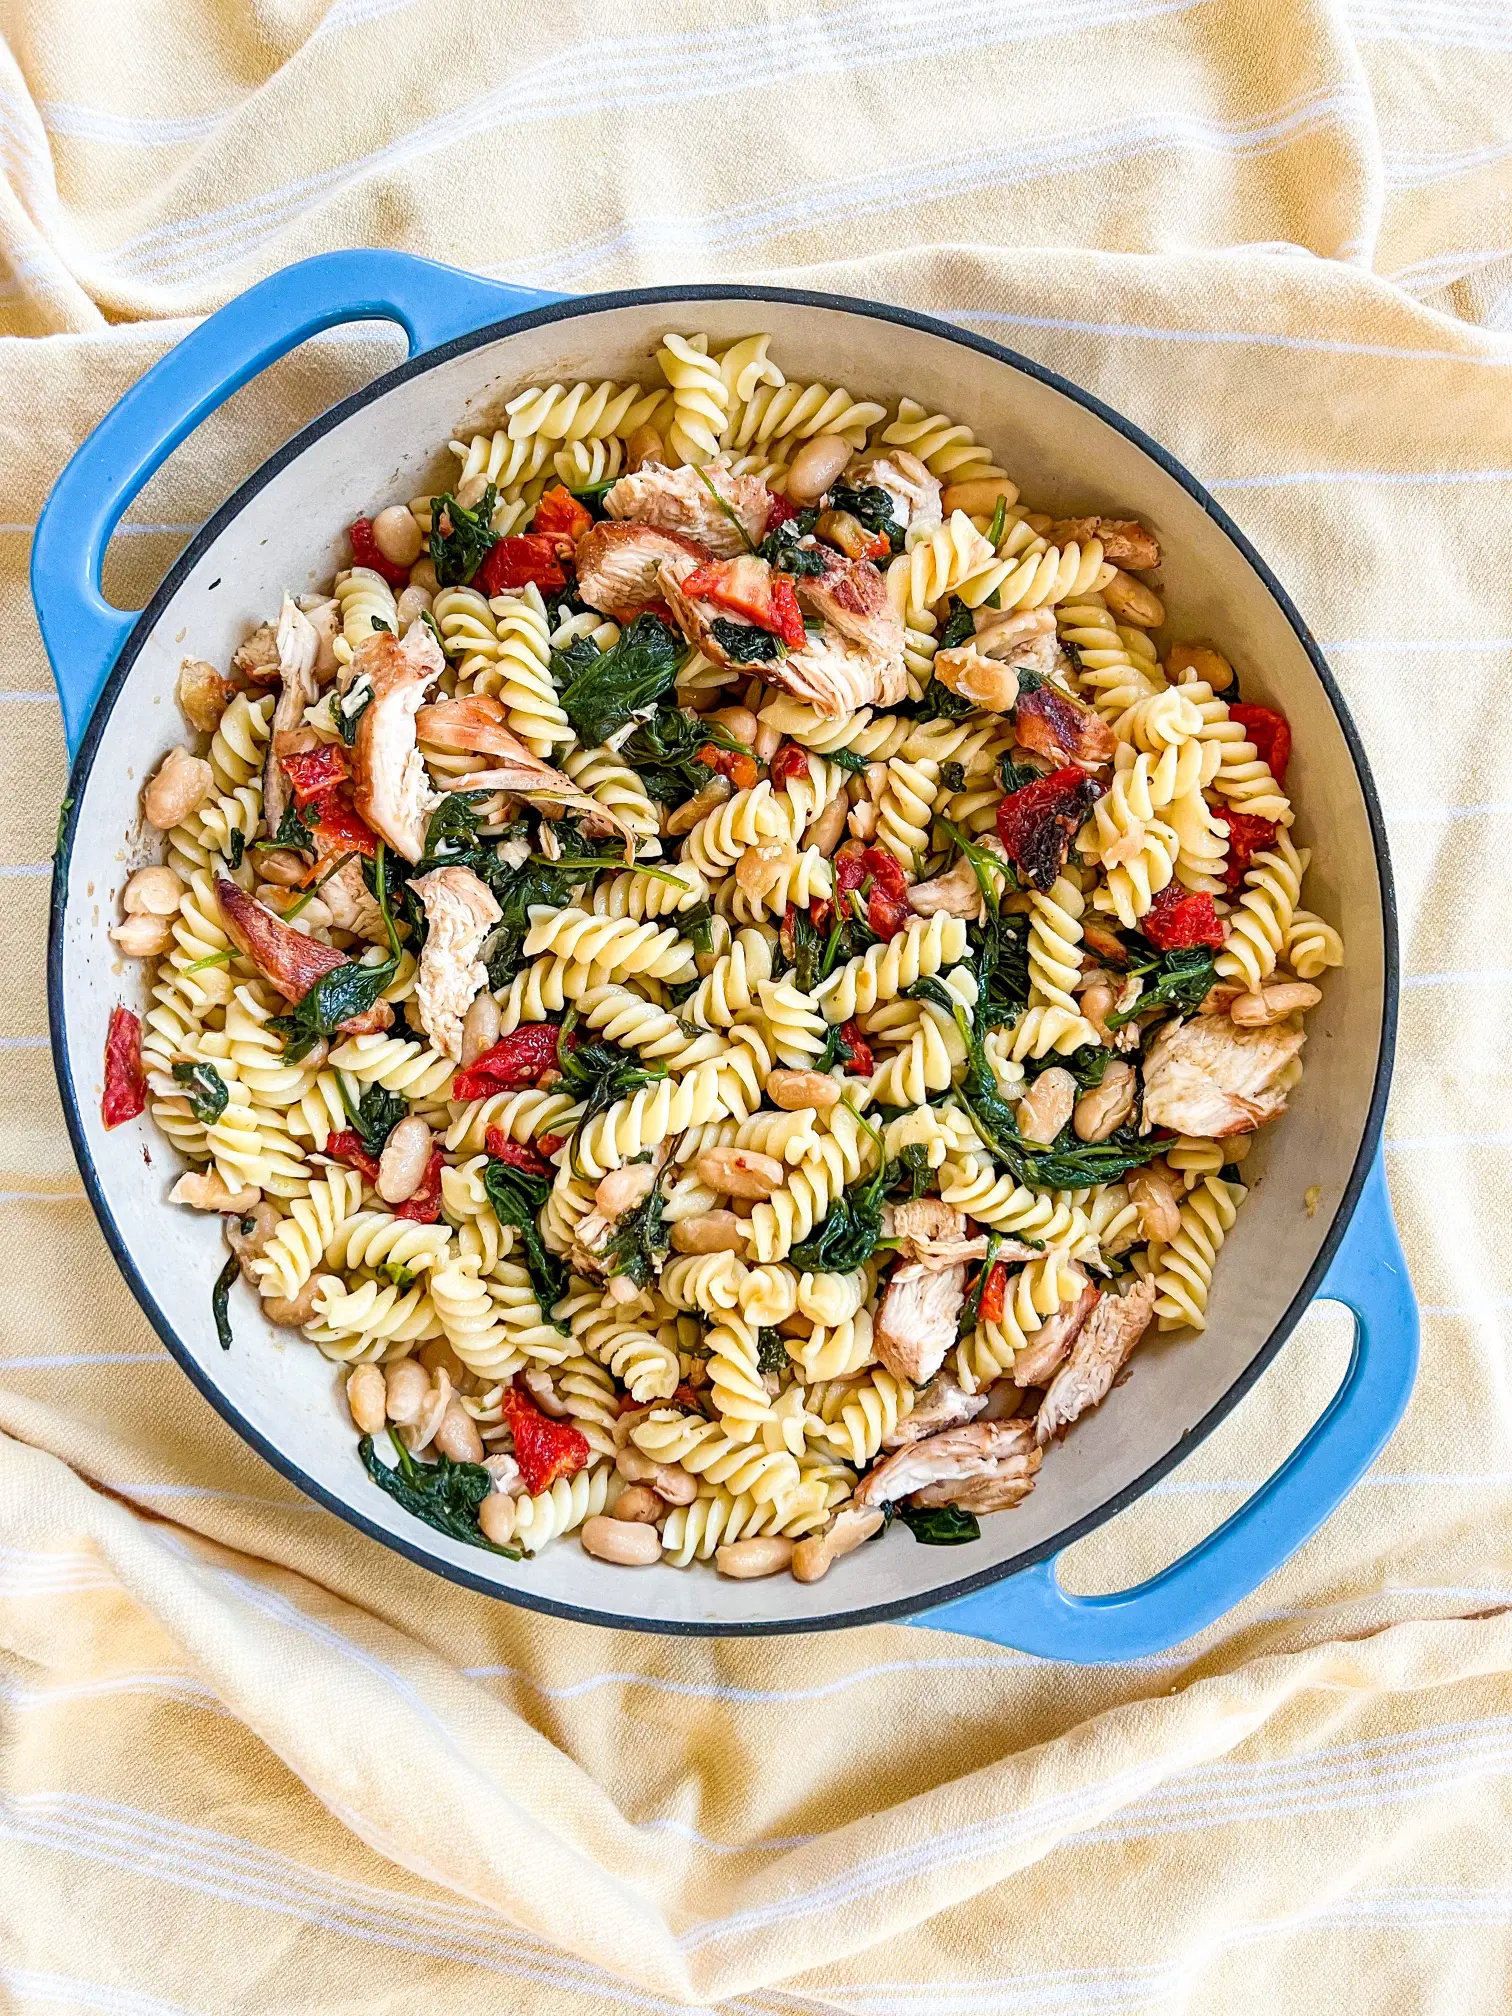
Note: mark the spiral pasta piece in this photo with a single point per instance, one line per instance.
(538, 1521)
(1262, 921)
(905, 808)
(1312, 945)
(1055, 936)
(798, 1030)
(365, 603)
(859, 1414)
(708, 1450)
(616, 786)
(947, 449)
(883, 971)
(937, 559)
(519, 677)
(775, 418)
(1184, 1267)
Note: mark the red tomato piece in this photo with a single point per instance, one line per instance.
(821, 914)
(1037, 825)
(788, 616)
(515, 1061)
(790, 761)
(560, 517)
(367, 553)
(990, 1308)
(779, 511)
(424, 1208)
(314, 772)
(1248, 836)
(850, 873)
(347, 1147)
(861, 1063)
(528, 556)
(516, 1153)
(742, 770)
(341, 830)
(887, 875)
(552, 1144)
(544, 1449)
(125, 1081)
(1178, 919)
(1271, 734)
(743, 585)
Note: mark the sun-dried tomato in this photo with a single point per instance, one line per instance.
(886, 916)
(347, 1147)
(1248, 836)
(821, 914)
(861, 1063)
(1271, 734)
(788, 616)
(314, 772)
(990, 1308)
(544, 1449)
(779, 511)
(1037, 825)
(742, 770)
(886, 873)
(790, 761)
(849, 875)
(1178, 919)
(515, 1061)
(125, 1081)
(424, 1207)
(516, 1153)
(551, 1144)
(746, 586)
(340, 829)
(528, 556)
(366, 552)
(561, 518)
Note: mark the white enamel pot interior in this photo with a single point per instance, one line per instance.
(284, 531)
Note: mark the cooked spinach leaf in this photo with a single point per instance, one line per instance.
(443, 1494)
(745, 644)
(771, 1351)
(848, 1237)
(971, 1308)
(1016, 775)
(236, 848)
(938, 704)
(375, 1115)
(600, 693)
(220, 1295)
(872, 508)
(664, 751)
(1179, 980)
(1088, 1065)
(204, 1088)
(940, 1525)
(960, 625)
(347, 709)
(460, 539)
(781, 550)
(296, 829)
(638, 1241)
(517, 1197)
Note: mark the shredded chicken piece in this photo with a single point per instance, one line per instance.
(617, 563)
(915, 493)
(352, 904)
(256, 657)
(683, 500)
(1097, 1357)
(957, 893)
(942, 1404)
(916, 1324)
(477, 722)
(1025, 639)
(985, 682)
(298, 651)
(460, 911)
(391, 790)
(290, 959)
(1209, 1079)
(1125, 541)
(836, 677)
(851, 597)
(1064, 730)
(935, 1471)
(1049, 1344)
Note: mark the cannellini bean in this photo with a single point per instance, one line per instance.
(1132, 602)
(248, 1236)
(480, 1027)
(205, 1190)
(496, 1518)
(767, 742)
(740, 721)
(977, 498)
(1106, 1106)
(709, 1232)
(686, 817)
(634, 1467)
(293, 1311)
(620, 1288)
(142, 937)
(643, 446)
(1154, 1195)
(640, 1505)
(1047, 1105)
(438, 1356)
(827, 829)
(741, 1172)
(674, 1485)
(457, 1434)
(432, 1412)
(404, 1161)
(407, 1387)
(152, 892)
(182, 784)
(203, 694)
(1271, 1004)
(746, 1560)
(469, 494)
(816, 465)
(814, 1556)
(628, 1542)
(285, 870)
(366, 1398)
(538, 1385)
(1203, 662)
(793, 1090)
(397, 536)
(423, 575)
(1097, 1005)
(412, 604)
(622, 1189)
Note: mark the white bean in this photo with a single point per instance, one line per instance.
(397, 536)
(480, 1027)
(746, 1560)
(152, 892)
(143, 937)
(629, 1542)
(181, 786)
(366, 1397)
(404, 1161)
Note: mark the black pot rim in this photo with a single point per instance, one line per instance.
(916, 1606)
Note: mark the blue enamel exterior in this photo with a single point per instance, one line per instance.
(82, 632)
(435, 304)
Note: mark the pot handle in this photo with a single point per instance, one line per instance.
(82, 631)
(1033, 1613)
